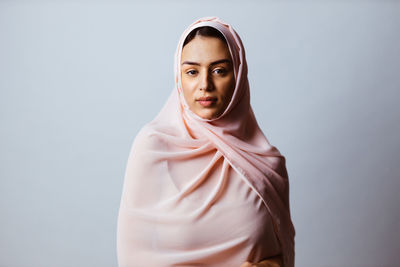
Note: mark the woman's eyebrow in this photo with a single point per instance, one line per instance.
(212, 63)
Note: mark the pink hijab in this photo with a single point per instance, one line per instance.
(178, 134)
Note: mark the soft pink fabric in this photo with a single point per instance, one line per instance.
(201, 192)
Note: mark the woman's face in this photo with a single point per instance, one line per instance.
(208, 79)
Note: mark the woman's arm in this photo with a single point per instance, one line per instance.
(270, 262)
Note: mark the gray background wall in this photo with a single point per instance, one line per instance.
(79, 78)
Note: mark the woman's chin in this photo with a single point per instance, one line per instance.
(206, 114)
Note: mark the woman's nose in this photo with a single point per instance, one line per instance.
(206, 82)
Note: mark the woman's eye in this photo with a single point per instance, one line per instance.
(219, 71)
(191, 72)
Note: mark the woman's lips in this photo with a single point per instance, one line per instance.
(206, 101)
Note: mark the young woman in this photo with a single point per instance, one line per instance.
(203, 186)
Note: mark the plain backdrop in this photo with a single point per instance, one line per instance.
(79, 78)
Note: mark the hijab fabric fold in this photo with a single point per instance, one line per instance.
(179, 135)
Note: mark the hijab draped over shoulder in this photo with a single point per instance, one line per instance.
(173, 155)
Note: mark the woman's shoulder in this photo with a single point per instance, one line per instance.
(152, 137)
(146, 138)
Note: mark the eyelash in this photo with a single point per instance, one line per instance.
(189, 72)
(222, 71)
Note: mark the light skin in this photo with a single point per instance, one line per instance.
(207, 70)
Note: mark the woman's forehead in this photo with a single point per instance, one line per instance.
(206, 49)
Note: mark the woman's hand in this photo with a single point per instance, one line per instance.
(270, 262)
